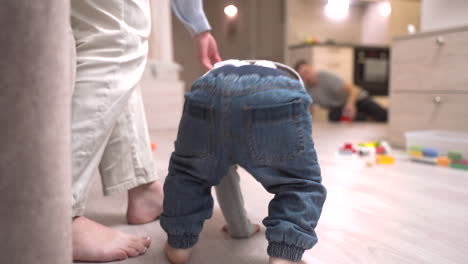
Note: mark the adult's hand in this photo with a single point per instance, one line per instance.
(349, 110)
(207, 50)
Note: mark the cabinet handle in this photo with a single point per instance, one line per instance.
(437, 100)
(440, 41)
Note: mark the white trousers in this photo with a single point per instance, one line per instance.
(109, 128)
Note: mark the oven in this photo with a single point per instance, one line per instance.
(372, 69)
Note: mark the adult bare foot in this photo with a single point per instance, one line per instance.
(281, 261)
(145, 203)
(98, 243)
(256, 228)
(177, 255)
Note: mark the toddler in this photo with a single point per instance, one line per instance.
(253, 114)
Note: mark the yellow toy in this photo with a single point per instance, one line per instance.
(385, 159)
(370, 144)
(415, 153)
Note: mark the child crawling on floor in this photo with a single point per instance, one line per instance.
(254, 114)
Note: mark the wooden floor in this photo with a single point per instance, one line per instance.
(403, 213)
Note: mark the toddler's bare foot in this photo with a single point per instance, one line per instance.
(97, 243)
(145, 203)
(256, 228)
(177, 255)
(281, 261)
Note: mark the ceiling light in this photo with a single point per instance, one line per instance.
(230, 11)
(385, 9)
(337, 9)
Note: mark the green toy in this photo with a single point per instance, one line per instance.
(454, 156)
(459, 166)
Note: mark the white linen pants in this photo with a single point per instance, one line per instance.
(109, 128)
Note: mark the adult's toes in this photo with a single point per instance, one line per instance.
(119, 254)
(138, 247)
(146, 241)
(131, 252)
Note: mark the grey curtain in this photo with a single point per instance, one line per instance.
(35, 93)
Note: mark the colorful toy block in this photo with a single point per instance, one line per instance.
(425, 160)
(459, 166)
(430, 152)
(348, 146)
(386, 146)
(381, 150)
(415, 153)
(443, 161)
(415, 147)
(346, 152)
(363, 152)
(345, 119)
(455, 156)
(369, 144)
(347, 149)
(385, 159)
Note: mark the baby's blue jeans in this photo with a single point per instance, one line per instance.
(258, 118)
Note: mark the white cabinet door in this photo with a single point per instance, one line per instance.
(431, 63)
(338, 60)
(424, 111)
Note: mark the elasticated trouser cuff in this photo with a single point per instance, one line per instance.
(182, 241)
(285, 251)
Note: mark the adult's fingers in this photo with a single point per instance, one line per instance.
(206, 63)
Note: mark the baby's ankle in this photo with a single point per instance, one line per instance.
(280, 261)
(248, 232)
(177, 255)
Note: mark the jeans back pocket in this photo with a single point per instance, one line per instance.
(275, 132)
(194, 137)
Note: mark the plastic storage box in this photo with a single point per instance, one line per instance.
(443, 141)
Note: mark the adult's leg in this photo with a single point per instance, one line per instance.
(128, 165)
(334, 114)
(35, 167)
(111, 45)
(231, 202)
(372, 109)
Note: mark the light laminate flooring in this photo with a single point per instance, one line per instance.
(404, 213)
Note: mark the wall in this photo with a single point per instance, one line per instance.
(374, 26)
(160, 40)
(437, 14)
(306, 18)
(256, 33)
(404, 12)
(380, 30)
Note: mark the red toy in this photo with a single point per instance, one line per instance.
(348, 147)
(380, 150)
(345, 119)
